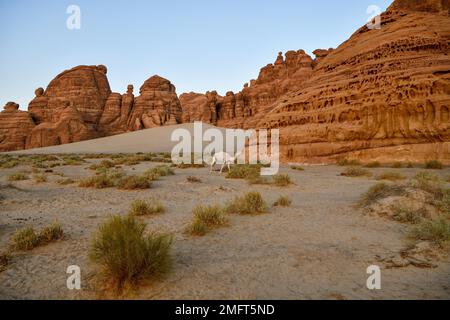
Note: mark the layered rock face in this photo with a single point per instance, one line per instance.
(15, 127)
(79, 105)
(382, 95)
(245, 108)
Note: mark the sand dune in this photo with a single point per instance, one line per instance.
(148, 140)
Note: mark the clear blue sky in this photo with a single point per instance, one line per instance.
(199, 45)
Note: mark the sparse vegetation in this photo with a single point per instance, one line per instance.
(250, 203)
(206, 218)
(98, 182)
(283, 201)
(391, 176)
(27, 239)
(397, 165)
(434, 164)
(436, 231)
(159, 171)
(19, 176)
(104, 164)
(72, 160)
(356, 172)
(380, 191)
(143, 208)
(133, 183)
(407, 215)
(126, 255)
(298, 168)
(282, 180)
(244, 171)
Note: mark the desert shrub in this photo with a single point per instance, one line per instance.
(72, 160)
(133, 183)
(19, 176)
(193, 179)
(25, 239)
(436, 231)
(65, 182)
(429, 183)
(298, 168)
(126, 255)
(283, 201)
(391, 176)
(50, 234)
(212, 216)
(197, 228)
(40, 178)
(244, 171)
(142, 208)
(408, 215)
(104, 164)
(9, 163)
(434, 164)
(4, 261)
(98, 182)
(159, 171)
(347, 162)
(380, 191)
(355, 172)
(250, 203)
(282, 180)
(373, 164)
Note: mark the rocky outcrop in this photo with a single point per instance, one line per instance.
(382, 95)
(79, 105)
(156, 105)
(15, 127)
(245, 108)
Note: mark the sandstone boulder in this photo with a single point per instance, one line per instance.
(15, 127)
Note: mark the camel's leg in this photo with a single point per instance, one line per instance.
(221, 169)
(229, 169)
(212, 165)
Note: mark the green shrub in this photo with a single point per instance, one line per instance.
(283, 202)
(437, 231)
(133, 183)
(355, 172)
(126, 255)
(250, 203)
(20, 176)
(142, 208)
(434, 164)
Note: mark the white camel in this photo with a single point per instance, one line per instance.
(223, 158)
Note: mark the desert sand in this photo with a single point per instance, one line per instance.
(319, 248)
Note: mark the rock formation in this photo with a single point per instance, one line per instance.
(79, 105)
(383, 94)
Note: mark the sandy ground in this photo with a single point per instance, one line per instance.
(317, 249)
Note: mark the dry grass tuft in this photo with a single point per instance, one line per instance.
(434, 164)
(143, 208)
(4, 261)
(126, 255)
(206, 218)
(133, 183)
(436, 231)
(40, 178)
(391, 176)
(356, 172)
(283, 201)
(19, 176)
(193, 179)
(27, 239)
(250, 203)
(380, 191)
(282, 180)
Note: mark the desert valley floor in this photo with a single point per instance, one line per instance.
(319, 248)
